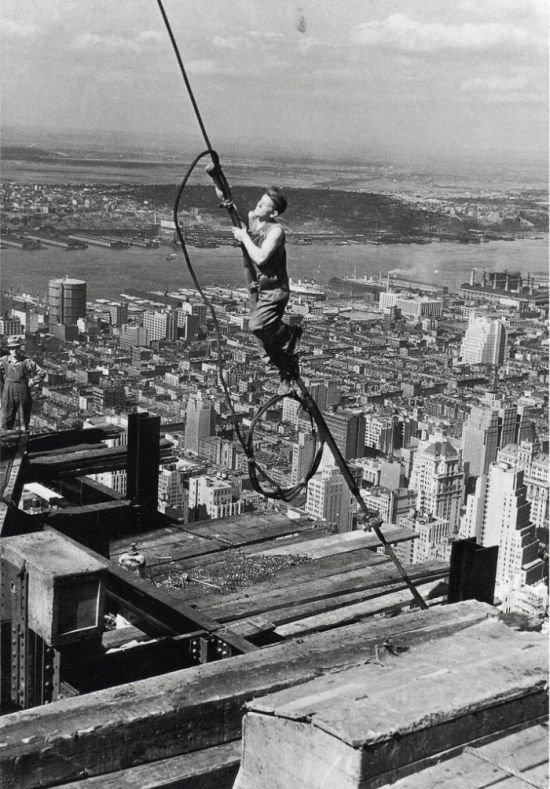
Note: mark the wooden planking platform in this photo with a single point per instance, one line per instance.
(354, 612)
(342, 543)
(300, 594)
(487, 764)
(195, 540)
(211, 768)
(360, 727)
(318, 568)
(189, 710)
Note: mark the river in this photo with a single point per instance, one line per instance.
(110, 272)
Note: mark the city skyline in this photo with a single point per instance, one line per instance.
(423, 79)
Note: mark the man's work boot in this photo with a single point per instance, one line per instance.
(292, 346)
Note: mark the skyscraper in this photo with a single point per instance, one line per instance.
(302, 455)
(160, 325)
(348, 429)
(438, 478)
(329, 498)
(200, 419)
(487, 428)
(66, 300)
(498, 514)
(484, 341)
(536, 477)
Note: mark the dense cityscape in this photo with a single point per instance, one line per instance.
(274, 376)
(438, 399)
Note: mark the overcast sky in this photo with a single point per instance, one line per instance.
(441, 77)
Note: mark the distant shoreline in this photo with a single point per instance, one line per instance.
(110, 272)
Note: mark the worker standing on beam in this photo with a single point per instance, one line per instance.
(264, 244)
(18, 376)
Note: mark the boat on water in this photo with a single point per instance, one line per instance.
(307, 287)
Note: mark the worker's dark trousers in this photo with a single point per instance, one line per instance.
(16, 402)
(266, 322)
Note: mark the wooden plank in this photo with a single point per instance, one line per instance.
(188, 710)
(283, 616)
(211, 768)
(251, 530)
(170, 540)
(375, 719)
(248, 603)
(180, 543)
(524, 750)
(342, 543)
(352, 613)
(248, 628)
(226, 533)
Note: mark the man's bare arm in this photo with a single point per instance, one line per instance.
(260, 254)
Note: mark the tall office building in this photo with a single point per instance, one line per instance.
(172, 494)
(11, 325)
(433, 540)
(197, 309)
(487, 428)
(484, 341)
(380, 432)
(133, 336)
(438, 478)
(498, 514)
(329, 498)
(160, 325)
(291, 410)
(318, 390)
(200, 421)
(302, 455)
(66, 300)
(536, 477)
(348, 429)
(118, 313)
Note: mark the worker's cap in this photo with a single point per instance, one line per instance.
(14, 342)
(277, 198)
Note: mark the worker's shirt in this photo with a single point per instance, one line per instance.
(273, 273)
(20, 371)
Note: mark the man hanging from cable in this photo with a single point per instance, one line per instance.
(264, 245)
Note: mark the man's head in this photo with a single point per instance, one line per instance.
(271, 204)
(14, 345)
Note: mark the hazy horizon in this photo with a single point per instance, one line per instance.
(155, 147)
(384, 79)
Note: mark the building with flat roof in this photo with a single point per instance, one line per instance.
(66, 300)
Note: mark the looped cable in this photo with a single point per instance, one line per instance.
(255, 470)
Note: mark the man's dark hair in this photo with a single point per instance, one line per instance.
(277, 198)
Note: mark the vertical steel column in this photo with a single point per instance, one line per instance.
(29, 667)
(143, 459)
(473, 571)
